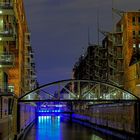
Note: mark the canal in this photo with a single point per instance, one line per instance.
(60, 128)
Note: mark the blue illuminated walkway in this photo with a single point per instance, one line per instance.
(58, 128)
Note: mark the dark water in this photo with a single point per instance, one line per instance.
(59, 128)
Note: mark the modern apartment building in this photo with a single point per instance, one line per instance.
(17, 67)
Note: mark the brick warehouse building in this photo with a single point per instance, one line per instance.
(118, 56)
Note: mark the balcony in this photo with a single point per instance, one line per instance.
(97, 63)
(33, 76)
(5, 88)
(6, 5)
(111, 51)
(97, 73)
(119, 30)
(6, 8)
(28, 77)
(6, 60)
(119, 56)
(103, 56)
(120, 82)
(120, 69)
(111, 78)
(27, 88)
(118, 43)
(28, 65)
(112, 64)
(27, 39)
(7, 35)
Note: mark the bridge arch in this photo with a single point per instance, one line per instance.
(84, 90)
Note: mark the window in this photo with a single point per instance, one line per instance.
(134, 34)
(9, 106)
(138, 20)
(134, 45)
(139, 34)
(139, 46)
(133, 20)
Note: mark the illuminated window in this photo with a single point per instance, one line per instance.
(1, 21)
(11, 88)
(134, 45)
(139, 46)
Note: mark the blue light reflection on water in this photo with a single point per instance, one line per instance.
(48, 128)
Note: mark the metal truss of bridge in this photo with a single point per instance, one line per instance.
(78, 91)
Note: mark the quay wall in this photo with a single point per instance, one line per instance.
(124, 117)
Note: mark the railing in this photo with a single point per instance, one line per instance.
(112, 64)
(120, 69)
(7, 32)
(111, 77)
(119, 30)
(111, 51)
(6, 88)
(103, 57)
(97, 73)
(33, 76)
(6, 5)
(118, 43)
(27, 76)
(6, 60)
(96, 63)
(68, 90)
(28, 65)
(120, 56)
(120, 82)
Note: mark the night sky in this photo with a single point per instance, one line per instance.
(59, 31)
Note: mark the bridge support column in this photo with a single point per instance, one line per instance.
(137, 118)
(71, 117)
(18, 118)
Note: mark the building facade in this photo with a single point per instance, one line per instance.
(127, 42)
(117, 60)
(87, 66)
(17, 67)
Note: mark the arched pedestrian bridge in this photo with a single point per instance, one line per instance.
(99, 103)
(96, 102)
(78, 90)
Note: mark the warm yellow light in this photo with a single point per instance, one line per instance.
(0, 12)
(0, 38)
(138, 85)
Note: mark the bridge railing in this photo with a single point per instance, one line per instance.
(78, 90)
